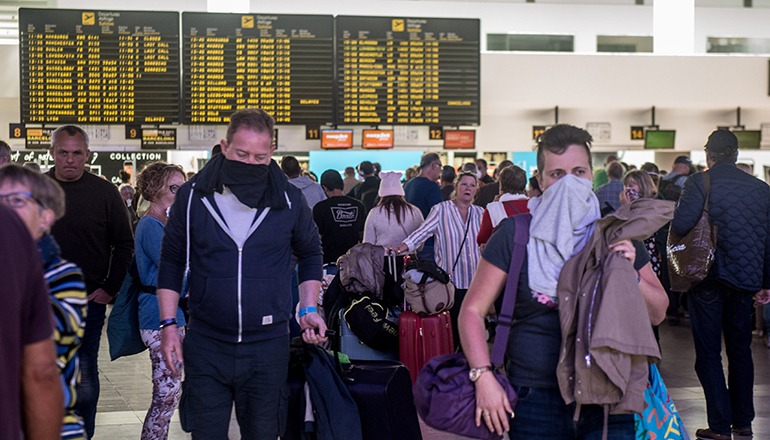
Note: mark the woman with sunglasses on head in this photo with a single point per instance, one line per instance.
(157, 183)
(39, 201)
(455, 224)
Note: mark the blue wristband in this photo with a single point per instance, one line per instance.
(305, 310)
(167, 322)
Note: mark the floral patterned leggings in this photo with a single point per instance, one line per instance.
(166, 389)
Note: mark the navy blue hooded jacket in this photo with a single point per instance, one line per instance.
(739, 206)
(238, 295)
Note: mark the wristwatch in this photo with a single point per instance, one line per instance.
(475, 373)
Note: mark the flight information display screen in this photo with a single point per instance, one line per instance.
(408, 71)
(283, 64)
(99, 67)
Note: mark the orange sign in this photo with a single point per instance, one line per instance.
(336, 139)
(377, 139)
(459, 139)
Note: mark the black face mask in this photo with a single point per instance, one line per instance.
(250, 183)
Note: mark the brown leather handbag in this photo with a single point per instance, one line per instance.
(690, 256)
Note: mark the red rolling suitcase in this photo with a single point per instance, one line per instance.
(421, 338)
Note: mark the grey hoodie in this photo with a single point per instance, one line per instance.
(312, 191)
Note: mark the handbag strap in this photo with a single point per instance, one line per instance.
(505, 317)
(707, 188)
(465, 237)
(511, 205)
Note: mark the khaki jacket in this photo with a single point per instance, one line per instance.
(607, 339)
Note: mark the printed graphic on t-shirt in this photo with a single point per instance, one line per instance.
(345, 216)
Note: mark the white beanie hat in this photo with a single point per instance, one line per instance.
(390, 184)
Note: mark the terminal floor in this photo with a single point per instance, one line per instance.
(126, 390)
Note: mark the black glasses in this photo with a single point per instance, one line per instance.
(173, 188)
(17, 199)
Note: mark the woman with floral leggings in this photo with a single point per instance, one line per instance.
(157, 183)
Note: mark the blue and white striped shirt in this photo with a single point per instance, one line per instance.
(445, 223)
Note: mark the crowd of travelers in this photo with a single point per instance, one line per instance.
(230, 257)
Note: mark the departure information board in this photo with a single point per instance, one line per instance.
(99, 67)
(417, 71)
(283, 64)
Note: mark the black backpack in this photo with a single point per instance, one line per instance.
(369, 198)
(669, 190)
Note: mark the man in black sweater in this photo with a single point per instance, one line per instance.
(96, 235)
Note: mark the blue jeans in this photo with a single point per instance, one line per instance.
(542, 414)
(88, 388)
(717, 309)
(251, 374)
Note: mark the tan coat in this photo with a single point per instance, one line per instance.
(607, 339)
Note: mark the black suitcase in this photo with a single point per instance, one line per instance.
(383, 392)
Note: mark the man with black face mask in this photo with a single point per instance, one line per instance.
(234, 226)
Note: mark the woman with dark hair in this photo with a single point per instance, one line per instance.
(393, 219)
(39, 201)
(534, 188)
(157, 183)
(512, 201)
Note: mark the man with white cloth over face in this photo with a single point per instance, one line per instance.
(562, 222)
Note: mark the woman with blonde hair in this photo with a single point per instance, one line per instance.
(454, 224)
(157, 183)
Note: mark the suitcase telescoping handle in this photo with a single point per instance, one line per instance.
(392, 264)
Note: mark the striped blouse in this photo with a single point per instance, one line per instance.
(445, 223)
(68, 299)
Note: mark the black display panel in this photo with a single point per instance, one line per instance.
(408, 71)
(99, 67)
(280, 63)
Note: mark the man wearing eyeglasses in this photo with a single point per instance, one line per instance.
(423, 192)
(96, 235)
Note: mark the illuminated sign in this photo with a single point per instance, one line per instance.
(408, 71)
(659, 139)
(459, 139)
(99, 67)
(376, 139)
(38, 138)
(154, 138)
(283, 64)
(336, 139)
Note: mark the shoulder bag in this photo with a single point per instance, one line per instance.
(690, 256)
(123, 332)
(435, 295)
(660, 418)
(444, 395)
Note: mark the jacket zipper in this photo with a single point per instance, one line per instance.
(240, 283)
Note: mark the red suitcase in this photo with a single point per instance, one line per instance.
(421, 338)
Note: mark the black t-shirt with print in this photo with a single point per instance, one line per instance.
(340, 221)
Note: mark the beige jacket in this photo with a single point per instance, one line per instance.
(607, 339)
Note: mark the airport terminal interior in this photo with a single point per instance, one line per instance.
(649, 79)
